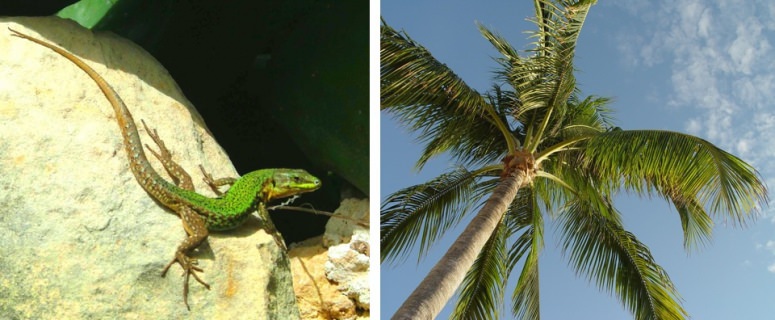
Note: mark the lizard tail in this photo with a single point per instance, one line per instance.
(138, 161)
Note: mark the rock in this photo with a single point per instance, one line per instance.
(80, 237)
(330, 273)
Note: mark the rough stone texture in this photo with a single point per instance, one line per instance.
(80, 239)
(330, 273)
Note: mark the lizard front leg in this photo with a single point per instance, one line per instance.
(268, 226)
(197, 232)
(263, 214)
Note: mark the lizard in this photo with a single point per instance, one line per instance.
(199, 214)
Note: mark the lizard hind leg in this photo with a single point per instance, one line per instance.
(193, 223)
(197, 233)
(179, 175)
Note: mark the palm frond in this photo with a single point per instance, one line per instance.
(524, 215)
(525, 298)
(424, 212)
(411, 76)
(600, 248)
(432, 100)
(505, 102)
(559, 181)
(685, 169)
(510, 57)
(468, 143)
(585, 117)
(695, 222)
(558, 24)
(481, 293)
(546, 82)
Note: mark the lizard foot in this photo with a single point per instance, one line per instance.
(215, 183)
(188, 269)
(176, 172)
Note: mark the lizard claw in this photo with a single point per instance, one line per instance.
(189, 269)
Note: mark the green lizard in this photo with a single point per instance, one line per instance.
(198, 213)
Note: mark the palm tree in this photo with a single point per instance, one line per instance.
(534, 147)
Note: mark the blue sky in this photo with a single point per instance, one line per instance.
(701, 67)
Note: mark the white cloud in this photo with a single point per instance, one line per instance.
(693, 126)
(770, 245)
(719, 54)
(743, 146)
(748, 46)
(722, 72)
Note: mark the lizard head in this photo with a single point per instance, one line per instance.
(288, 182)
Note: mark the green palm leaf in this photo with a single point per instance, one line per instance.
(481, 293)
(600, 248)
(695, 222)
(411, 76)
(585, 117)
(429, 98)
(547, 82)
(684, 169)
(472, 145)
(525, 299)
(424, 212)
(524, 215)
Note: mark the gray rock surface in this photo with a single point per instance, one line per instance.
(331, 272)
(348, 250)
(79, 237)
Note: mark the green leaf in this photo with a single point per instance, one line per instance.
(546, 82)
(612, 257)
(695, 222)
(685, 169)
(424, 212)
(524, 214)
(87, 12)
(426, 96)
(481, 293)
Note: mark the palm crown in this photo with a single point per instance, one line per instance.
(577, 161)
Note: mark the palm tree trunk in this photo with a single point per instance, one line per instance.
(441, 282)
